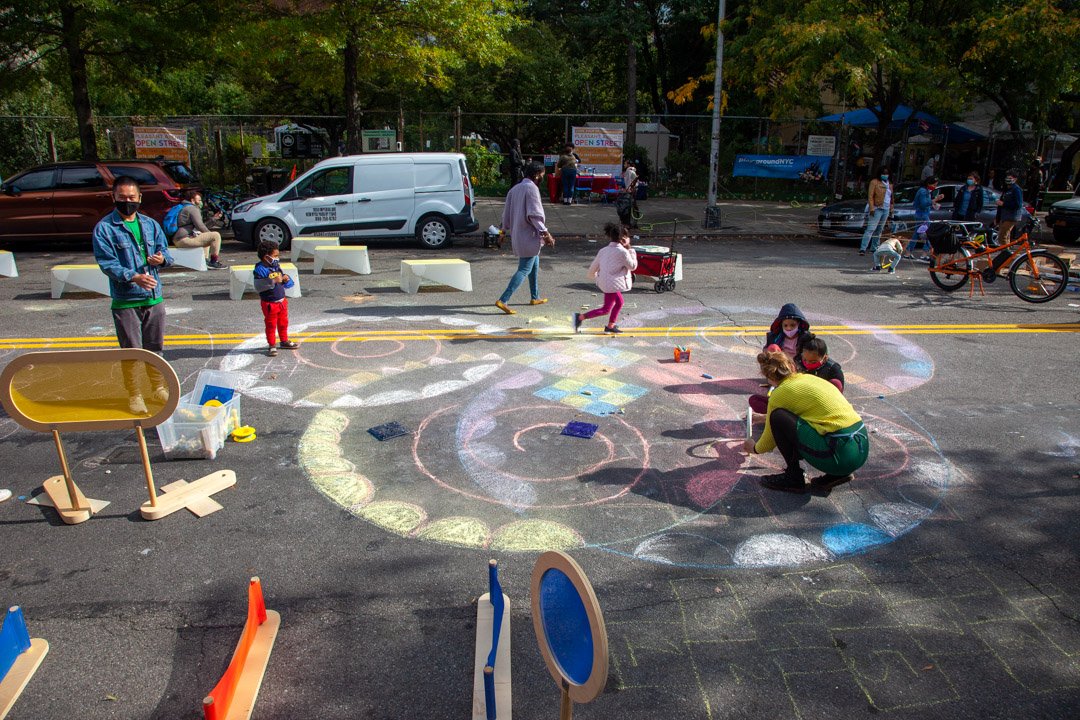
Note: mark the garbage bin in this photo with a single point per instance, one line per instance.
(260, 180)
(642, 191)
(712, 217)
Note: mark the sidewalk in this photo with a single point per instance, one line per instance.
(663, 216)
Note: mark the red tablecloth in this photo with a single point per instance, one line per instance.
(597, 184)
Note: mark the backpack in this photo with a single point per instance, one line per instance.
(172, 218)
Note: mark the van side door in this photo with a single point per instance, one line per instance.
(324, 201)
(385, 197)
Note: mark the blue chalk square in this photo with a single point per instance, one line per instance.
(551, 393)
(633, 391)
(389, 430)
(599, 408)
(546, 365)
(592, 389)
(580, 429)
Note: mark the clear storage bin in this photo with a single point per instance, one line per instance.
(193, 431)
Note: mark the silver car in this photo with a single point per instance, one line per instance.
(847, 219)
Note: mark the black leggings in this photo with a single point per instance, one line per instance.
(784, 426)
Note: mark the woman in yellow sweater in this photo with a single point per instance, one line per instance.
(808, 419)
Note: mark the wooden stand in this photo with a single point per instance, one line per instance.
(234, 696)
(19, 675)
(72, 506)
(251, 677)
(194, 496)
(485, 623)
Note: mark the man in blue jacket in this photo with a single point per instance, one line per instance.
(129, 248)
(1010, 208)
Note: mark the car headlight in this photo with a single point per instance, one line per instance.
(245, 206)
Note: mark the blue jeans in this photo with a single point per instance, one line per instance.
(527, 266)
(569, 181)
(874, 225)
(881, 254)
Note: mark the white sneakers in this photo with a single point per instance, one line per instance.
(137, 405)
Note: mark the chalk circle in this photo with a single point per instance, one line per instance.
(569, 626)
(338, 348)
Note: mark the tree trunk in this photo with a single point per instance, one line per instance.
(352, 95)
(72, 32)
(631, 90)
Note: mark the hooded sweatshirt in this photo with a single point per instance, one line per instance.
(775, 336)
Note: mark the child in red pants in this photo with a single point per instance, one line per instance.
(271, 283)
(612, 270)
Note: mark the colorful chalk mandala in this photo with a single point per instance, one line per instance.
(662, 479)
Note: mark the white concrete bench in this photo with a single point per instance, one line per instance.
(452, 272)
(352, 257)
(306, 244)
(242, 279)
(88, 278)
(7, 264)
(194, 258)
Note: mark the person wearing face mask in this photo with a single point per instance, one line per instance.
(130, 248)
(815, 360)
(1010, 208)
(808, 419)
(969, 199)
(925, 201)
(192, 232)
(786, 334)
(879, 211)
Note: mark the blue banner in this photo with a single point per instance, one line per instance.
(792, 167)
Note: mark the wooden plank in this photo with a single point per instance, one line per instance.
(20, 673)
(251, 677)
(485, 621)
(200, 507)
(180, 498)
(56, 489)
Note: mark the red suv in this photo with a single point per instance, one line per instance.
(65, 200)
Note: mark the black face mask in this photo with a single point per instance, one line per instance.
(126, 207)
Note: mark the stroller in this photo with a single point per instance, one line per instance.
(626, 207)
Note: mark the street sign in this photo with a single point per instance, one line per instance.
(822, 145)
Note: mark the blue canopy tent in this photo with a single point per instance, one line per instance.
(921, 122)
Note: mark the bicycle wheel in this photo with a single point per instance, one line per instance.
(1039, 279)
(949, 271)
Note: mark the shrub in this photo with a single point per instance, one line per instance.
(483, 164)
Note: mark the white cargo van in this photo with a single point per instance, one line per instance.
(426, 195)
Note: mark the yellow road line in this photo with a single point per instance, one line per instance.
(84, 342)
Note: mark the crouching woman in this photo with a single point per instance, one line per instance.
(809, 419)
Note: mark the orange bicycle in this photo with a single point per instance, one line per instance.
(960, 253)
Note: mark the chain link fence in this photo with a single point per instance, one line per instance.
(225, 148)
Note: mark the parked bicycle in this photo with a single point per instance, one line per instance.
(962, 252)
(219, 204)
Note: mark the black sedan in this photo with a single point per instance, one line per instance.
(847, 219)
(1064, 219)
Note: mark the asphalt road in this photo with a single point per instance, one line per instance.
(942, 583)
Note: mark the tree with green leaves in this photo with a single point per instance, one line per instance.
(71, 41)
(381, 47)
(1023, 55)
(877, 54)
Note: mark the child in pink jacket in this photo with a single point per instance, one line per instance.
(611, 268)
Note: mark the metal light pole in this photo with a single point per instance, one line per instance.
(712, 213)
